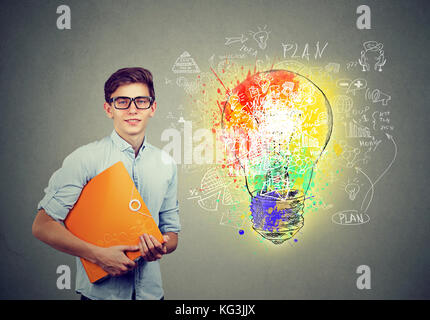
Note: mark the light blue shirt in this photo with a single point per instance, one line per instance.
(154, 173)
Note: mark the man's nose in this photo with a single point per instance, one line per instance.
(132, 108)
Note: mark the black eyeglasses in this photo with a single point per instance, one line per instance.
(123, 103)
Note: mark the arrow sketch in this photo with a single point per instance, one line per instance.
(390, 137)
(371, 188)
(231, 40)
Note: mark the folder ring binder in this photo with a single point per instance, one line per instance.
(130, 205)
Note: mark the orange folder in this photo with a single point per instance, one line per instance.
(110, 212)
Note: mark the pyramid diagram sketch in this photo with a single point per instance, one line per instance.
(185, 64)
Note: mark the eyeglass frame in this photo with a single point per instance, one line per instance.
(112, 100)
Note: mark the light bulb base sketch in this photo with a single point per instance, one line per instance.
(276, 125)
(277, 219)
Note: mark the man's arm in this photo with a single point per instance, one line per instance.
(113, 259)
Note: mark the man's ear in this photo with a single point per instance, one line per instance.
(153, 108)
(108, 110)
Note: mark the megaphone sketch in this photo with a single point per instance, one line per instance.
(377, 96)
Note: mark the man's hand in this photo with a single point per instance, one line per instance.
(114, 261)
(151, 249)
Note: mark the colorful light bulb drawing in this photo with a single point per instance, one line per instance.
(276, 125)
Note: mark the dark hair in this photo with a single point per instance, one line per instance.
(126, 76)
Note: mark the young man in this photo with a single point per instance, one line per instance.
(130, 102)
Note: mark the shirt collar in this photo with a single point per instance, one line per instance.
(124, 145)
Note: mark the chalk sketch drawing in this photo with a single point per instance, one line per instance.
(185, 64)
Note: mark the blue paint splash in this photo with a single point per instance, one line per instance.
(265, 214)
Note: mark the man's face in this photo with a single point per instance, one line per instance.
(130, 123)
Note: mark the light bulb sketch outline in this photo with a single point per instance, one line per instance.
(261, 37)
(352, 188)
(329, 117)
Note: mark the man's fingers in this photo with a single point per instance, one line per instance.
(157, 244)
(151, 246)
(142, 253)
(146, 253)
(128, 248)
(166, 238)
(130, 263)
(157, 247)
(143, 246)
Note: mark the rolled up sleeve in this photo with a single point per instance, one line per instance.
(65, 185)
(169, 211)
